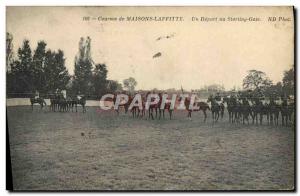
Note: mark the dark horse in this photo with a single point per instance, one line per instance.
(274, 112)
(245, 110)
(55, 102)
(37, 100)
(167, 107)
(286, 112)
(152, 107)
(79, 101)
(264, 109)
(201, 105)
(230, 102)
(63, 104)
(58, 102)
(215, 108)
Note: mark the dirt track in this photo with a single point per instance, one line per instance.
(101, 151)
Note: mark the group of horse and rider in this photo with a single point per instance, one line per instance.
(241, 108)
(254, 108)
(59, 101)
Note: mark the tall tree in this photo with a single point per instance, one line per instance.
(288, 82)
(9, 51)
(37, 67)
(130, 84)
(56, 74)
(9, 64)
(256, 81)
(83, 68)
(113, 86)
(21, 69)
(99, 79)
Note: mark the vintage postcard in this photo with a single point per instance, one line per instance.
(150, 98)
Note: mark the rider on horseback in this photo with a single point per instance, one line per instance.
(37, 94)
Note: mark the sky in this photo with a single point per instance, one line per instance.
(198, 53)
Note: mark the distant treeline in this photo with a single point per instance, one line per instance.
(44, 70)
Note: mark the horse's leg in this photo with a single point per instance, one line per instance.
(163, 113)
(159, 113)
(152, 114)
(222, 113)
(256, 118)
(243, 118)
(149, 112)
(138, 112)
(260, 118)
(204, 112)
(247, 118)
(271, 118)
(170, 113)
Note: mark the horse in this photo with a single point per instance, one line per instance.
(55, 102)
(125, 105)
(246, 110)
(201, 105)
(264, 109)
(222, 109)
(167, 107)
(38, 100)
(255, 110)
(215, 108)
(230, 102)
(152, 107)
(71, 102)
(63, 104)
(135, 110)
(80, 101)
(274, 112)
(286, 112)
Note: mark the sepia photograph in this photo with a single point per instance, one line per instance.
(151, 98)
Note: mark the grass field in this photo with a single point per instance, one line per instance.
(103, 151)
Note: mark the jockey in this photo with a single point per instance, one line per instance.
(64, 94)
(36, 95)
(218, 98)
(79, 96)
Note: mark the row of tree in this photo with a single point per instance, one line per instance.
(260, 84)
(44, 70)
